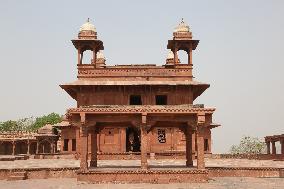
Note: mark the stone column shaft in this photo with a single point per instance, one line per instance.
(37, 146)
(93, 162)
(84, 147)
(268, 147)
(79, 57)
(190, 55)
(28, 151)
(273, 147)
(188, 135)
(282, 146)
(14, 147)
(200, 150)
(175, 56)
(144, 164)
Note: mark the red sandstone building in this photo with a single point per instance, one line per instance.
(273, 139)
(44, 141)
(136, 108)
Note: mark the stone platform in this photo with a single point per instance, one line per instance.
(160, 171)
(153, 175)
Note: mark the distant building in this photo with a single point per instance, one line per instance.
(44, 141)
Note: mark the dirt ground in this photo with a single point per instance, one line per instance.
(218, 183)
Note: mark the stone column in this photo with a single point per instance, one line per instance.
(84, 147)
(79, 57)
(37, 146)
(144, 164)
(51, 147)
(188, 149)
(14, 147)
(28, 151)
(122, 139)
(200, 149)
(94, 56)
(273, 147)
(282, 146)
(93, 135)
(268, 147)
(175, 55)
(189, 53)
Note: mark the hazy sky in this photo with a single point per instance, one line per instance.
(240, 54)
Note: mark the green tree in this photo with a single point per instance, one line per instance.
(51, 118)
(8, 126)
(249, 145)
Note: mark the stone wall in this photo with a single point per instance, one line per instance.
(248, 156)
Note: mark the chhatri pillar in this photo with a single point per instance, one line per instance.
(188, 136)
(273, 147)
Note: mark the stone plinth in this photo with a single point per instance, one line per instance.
(101, 175)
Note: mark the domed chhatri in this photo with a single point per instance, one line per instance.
(170, 58)
(88, 26)
(182, 31)
(101, 60)
(100, 55)
(182, 27)
(87, 31)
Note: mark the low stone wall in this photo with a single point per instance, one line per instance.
(143, 176)
(54, 156)
(244, 172)
(41, 173)
(248, 156)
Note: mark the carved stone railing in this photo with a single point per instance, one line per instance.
(89, 71)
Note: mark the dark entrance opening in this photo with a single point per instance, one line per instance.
(132, 140)
(135, 100)
(206, 145)
(161, 99)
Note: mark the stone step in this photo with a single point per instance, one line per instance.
(11, 178)
(20, 175)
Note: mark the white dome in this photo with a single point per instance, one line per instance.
(182, 27)
(100, 55)
(88, 27)
(170, 55)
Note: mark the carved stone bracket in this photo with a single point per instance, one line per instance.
(201, 118)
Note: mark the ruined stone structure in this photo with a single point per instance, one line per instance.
(136, 108)
(272, 140)
(44, 141)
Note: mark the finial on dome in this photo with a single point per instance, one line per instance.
(182, 31)
(88, 26)
(182, 27)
